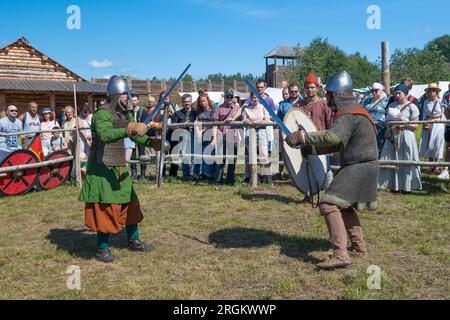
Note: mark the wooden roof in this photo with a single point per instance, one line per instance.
(287, 52)
(19, 60)
(51, 86)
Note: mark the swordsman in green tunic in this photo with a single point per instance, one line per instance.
(353, 136)
(111, 202)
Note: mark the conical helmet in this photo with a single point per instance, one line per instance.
(341, 82)
(117, 86)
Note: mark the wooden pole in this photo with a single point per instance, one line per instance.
(91, 101)
(253, 157)
(53, 102)
(5, 170)
(78, 177)
(386, 73)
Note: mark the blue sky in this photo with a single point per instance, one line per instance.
(159, 38)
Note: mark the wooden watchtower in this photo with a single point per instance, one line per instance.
(283, 57)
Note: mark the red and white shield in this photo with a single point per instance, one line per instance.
(54, 175)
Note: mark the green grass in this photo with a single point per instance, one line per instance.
(232, 243)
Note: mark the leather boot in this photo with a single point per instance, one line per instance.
(138, 245)
(354, 231)
(334, 262)
(104, 255)
(338, 237)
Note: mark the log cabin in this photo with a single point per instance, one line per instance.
(27, 74)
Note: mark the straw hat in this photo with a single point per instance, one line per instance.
(433, 86)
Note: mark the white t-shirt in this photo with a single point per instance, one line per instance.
(257, 113)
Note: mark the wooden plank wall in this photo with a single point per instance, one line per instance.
(153, 87)
(24, 62)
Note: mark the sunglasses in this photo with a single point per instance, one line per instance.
(229, 97)
(13, 110)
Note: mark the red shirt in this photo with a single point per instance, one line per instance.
(319, 112)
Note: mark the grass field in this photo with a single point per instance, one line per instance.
(232, 243)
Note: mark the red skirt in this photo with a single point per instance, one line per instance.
(110, 218)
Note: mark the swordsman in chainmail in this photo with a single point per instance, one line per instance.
(111, 202)
(353, 135)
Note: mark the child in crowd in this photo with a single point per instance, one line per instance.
(56, 142)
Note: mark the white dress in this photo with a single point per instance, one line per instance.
(401, 146)
(432, 140)
(85, 151)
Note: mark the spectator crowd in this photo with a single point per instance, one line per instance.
(395, 142)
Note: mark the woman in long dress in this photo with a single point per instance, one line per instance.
(84, 123)
(401, 144)
(432, 139)
(70, 122)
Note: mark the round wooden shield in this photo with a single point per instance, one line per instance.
(308, 173)
(20, 181)
(54, 175)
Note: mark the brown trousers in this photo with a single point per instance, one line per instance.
(110, 218)
(341, 222)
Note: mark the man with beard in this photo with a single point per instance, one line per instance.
(111, 201)
(353, 135)
(314, 106)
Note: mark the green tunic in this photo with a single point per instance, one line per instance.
(108, 185)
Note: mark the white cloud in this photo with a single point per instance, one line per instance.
(107, 76)
(125, 70)
(428, 29)
(100, 64)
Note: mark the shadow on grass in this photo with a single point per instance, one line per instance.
(82, 243)
(292, 246)
(432, 185)
(267, 196)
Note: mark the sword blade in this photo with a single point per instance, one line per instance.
(158, 106)
(274, 116)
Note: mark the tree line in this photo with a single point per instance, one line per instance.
(430, 64)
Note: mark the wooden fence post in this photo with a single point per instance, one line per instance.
(386, 68)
